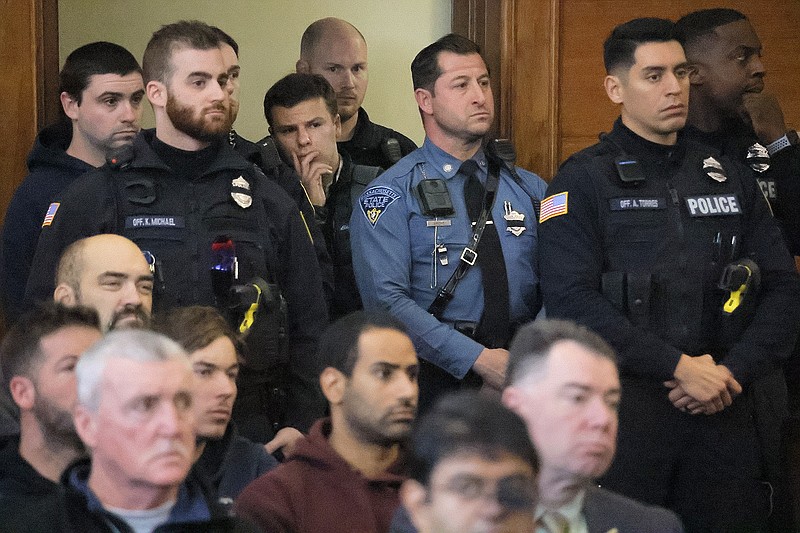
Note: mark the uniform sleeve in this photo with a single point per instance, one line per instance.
(382, 263)
(771, 336)
(571, 262)
(301, 284)
(785, 169)
(86, 208)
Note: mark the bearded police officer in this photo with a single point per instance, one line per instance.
(215, 229)
(669, 251)
(450, 257)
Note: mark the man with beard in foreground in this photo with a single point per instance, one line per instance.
(38, 358)
(209, 223)
(345, 476)
(110, 274)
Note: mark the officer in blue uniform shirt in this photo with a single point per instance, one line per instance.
(408, 238)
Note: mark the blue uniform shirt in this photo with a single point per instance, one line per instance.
(399, 261)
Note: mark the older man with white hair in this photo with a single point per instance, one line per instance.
(134, 414)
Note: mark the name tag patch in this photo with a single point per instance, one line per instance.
(626, 204)
(713, 205)
(374, 202)
(154, 221)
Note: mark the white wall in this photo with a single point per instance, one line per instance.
(268, 33)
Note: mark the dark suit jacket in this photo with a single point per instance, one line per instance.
(605, 511)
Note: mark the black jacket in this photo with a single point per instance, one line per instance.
(616, 237)
(264, 154)
(177, 219)
(780, 182)
(51, 171)
(334, 219)
(366, 146)
(21, 484)
(233, 462)
(76, 509)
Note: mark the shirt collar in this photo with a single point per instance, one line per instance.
(445, 164)
(572, 511)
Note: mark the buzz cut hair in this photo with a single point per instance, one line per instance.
(339, 342)
(692, 27)
(317, 30)
(467, 423)
(184, 34)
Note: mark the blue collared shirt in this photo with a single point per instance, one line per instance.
(400, 264)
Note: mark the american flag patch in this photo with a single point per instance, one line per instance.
(51, 214)
(553, 206)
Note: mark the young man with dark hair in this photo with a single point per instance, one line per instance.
(264, 155)
(415, 230)
(345, 475)
(640, 235)
(228, 461)
(471, 467)
(101, 94)
(38, 358)
(563, 382)
(218, 232)
(303, 118)
(334, 49)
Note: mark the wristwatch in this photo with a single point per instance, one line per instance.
(789, 139)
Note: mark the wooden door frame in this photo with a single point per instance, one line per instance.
(527, 115)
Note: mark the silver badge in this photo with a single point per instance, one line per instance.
(713, 168)
(758, 158)
(515, 221)
(242, 199)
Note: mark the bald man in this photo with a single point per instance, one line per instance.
(336, 50)
(110, 274)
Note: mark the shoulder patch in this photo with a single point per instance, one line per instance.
(374, 202)
(554, 206)
(51, 214)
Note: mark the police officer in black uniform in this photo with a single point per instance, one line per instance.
(669, 251)
(730, 110)
(217, 231)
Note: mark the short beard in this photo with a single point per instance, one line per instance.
(58, 429)
(136, 310)
(357, 414)
(183, 119)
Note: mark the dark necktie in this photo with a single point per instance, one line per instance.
(493, 331)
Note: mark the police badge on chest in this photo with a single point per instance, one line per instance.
(240, 192)
(515, 221)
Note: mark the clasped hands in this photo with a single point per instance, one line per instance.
(701, 386)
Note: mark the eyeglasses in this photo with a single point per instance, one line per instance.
(512, 492)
